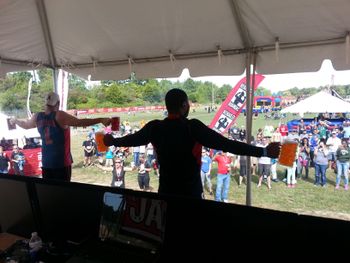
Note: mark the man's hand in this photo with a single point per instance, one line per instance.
(106, 121)
(108, 139)
(273, 149)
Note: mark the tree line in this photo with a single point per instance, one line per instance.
(130, 92)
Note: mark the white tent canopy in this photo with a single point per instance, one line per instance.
(318, 103)
(109, 39)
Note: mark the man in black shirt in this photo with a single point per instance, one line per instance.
(178, 143)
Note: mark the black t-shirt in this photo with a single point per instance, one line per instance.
(178, 144)
(89, 145)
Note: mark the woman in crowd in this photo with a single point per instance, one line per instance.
(304, 158)
(343, 159)
(321, 163)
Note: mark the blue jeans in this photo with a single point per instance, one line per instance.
(342, 169)
(320, 174)
(136, 158)
(222, 187)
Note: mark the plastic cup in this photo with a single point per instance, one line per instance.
(115, 123)
(101, 147)
(288, 153)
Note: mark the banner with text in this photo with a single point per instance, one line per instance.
(233, 105)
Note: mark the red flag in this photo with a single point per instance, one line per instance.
(233, 105)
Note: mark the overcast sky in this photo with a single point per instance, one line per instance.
(285, 81)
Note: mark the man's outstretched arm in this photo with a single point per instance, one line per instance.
(214, 140)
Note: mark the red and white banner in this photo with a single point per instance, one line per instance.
(62, 88)
(232, 106)
(32, 166)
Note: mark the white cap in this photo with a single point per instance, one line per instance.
(52, 99)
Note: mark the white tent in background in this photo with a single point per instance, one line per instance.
(320, 102)
(17, 133)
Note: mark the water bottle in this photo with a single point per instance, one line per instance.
(35, 244)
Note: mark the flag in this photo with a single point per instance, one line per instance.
(232, 106)
(62, 88)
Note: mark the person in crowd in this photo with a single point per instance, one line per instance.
(346, 130)
(322, 129)
(143, 174)
(268, 131)
(333, 144)
(291, 171)
(242, 133)
(276, 136)
(205, 170)
(303, 158)
(136, 155)
(109, 156)
(5, 163)
(264, 166)
(88, 147)
(178, 143)
(118, 174)
(273, 171)
(301, 127)
(223, 177)
(91, 134)
(293, 135)
(343, 160)
(321, 163)
(314, 140)
(283, 128)
(242, 169)
(150, 153)
(18, 160)
(53, 126)
(234, 131)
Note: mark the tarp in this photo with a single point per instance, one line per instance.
(159, 38)
(318, 103)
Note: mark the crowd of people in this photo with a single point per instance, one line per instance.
(320, 147)
(114, 158)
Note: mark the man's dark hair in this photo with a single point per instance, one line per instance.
(174, 100)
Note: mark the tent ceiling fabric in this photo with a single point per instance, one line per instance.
(108, 39)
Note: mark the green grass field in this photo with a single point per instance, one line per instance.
(304, 199)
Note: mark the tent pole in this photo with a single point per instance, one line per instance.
(248, 125)
(55, 77)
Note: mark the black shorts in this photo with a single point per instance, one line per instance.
(62, 174)
(88, 154)
(143, 181)
(243, 170)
